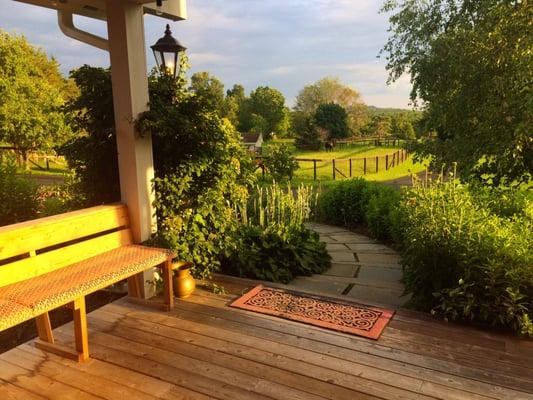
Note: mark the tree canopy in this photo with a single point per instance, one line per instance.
(32, 93)
(209, 87)
(332, 90)
(471, 64)
(333, 118)
(265, 112)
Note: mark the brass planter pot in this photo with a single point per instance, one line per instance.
(182, 281)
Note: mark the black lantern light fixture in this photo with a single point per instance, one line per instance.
(166, 52)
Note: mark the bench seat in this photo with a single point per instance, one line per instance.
(32, 297)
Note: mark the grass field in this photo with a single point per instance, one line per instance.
(55, 168)
(305, 174)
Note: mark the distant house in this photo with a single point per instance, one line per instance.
(252, 141)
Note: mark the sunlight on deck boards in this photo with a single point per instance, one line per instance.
(203, 350)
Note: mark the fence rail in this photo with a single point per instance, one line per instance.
(350, 167)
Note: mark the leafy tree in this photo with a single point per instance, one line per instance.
(280, 163)
(32, 93)
(471, 64)
(93, 155)
(379, 125)
(18, 195)
(210, 88)
(201, 172)
(402, 127)
(232, 103)
(269, 104)
(331, 90)
(310, 136)
(333, 118)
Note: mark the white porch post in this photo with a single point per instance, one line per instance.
(130, 98)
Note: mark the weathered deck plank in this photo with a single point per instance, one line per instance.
(205, 350)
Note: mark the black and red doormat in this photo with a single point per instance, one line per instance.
(354, 318)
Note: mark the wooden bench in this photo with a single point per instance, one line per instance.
(56, 261)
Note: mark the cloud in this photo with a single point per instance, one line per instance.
(280, 43)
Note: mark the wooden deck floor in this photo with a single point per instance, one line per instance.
(204, 350)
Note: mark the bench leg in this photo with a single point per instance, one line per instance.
(80, 329)
(46, 341)
(44, 328)
(167, 281)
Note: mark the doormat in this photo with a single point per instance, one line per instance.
(354, 318)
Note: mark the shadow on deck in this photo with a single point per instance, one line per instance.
(203, 349)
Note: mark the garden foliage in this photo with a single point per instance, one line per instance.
(360, 203)
(467, 250)
(32, 93)
(280, 163)
(470, 65)
(273, 243)
(18, 195)
(201, 171)
(468, 253)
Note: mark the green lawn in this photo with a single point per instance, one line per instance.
(324, 170)
(56, 168)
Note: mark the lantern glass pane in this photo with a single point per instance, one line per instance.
(170, 62)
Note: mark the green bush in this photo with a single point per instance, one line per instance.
(360, 203)
(280, 163)
(18, 195)
(467, 251)
(468, 254)
(272, 242)
(274, 255)
(201, 173)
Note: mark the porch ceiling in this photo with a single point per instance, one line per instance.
(172, 9)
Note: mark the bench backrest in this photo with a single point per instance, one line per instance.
(33, 248)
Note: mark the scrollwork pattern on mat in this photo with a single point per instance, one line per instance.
(334, 313)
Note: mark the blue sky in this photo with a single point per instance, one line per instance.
(285, 44)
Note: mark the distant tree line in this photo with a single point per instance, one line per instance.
(324, 111)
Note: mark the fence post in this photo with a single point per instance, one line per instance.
(333, 169)
(364, 166)
(386, 162)
(377, 164)
(314, 169)
(350, 167)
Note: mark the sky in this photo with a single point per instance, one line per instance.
(285, 44)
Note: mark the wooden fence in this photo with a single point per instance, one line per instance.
(371, 141)
(349, 167)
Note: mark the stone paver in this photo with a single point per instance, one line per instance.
(376, 295)
(378, 258)
(343, 256)
(366, 273)
(375, 248)
(344, 270)
(314, 284)
(362, 269)
(352, 238)
(336, 247)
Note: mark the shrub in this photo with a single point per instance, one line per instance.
(57, 199)
(18, 195)
(93, 155)
(467, 258)
(333, 118)
(276, 255)
(280, 163)
(201, 172)
(272, 242)
(360, 203)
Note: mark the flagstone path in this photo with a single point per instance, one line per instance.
(361, 269)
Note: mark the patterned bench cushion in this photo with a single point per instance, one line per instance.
(12, 313)
(43, 293)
